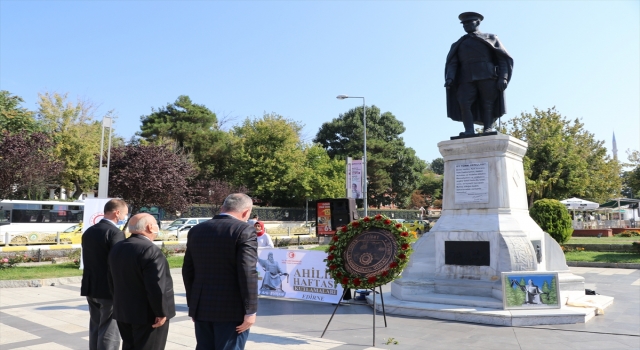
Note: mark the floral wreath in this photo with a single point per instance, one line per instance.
(336, 264)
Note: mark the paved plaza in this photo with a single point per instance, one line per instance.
(57, 318)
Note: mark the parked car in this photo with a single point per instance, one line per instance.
(420, 226)
(72, 235)
(179, 229)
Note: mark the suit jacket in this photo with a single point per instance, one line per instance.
(140, 280)
(219, 270)
(451, 69)
(97, 242)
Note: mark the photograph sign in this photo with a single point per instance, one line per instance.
(530, 290)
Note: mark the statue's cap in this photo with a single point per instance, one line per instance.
(466, 16)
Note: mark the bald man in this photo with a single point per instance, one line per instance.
(142, 287)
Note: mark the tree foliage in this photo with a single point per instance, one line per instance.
(437, 166)
(563, 159)
(393, 170)
(27, 165)
(77, 137)
(553, 217)
(13, 117)
(213, 192)
(151, 175)
(270, 159)
(631, 178)
(195, 129)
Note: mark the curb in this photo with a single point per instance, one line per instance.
(602, 264)
(40, 282)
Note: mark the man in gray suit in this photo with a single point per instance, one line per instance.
(97, 242)
(220, 276)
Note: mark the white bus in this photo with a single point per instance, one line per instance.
(25, 222)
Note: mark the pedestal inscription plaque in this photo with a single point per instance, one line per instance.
(472, 183)
(370, 253)
(475, 253)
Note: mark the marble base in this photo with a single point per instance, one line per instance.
(487, 315)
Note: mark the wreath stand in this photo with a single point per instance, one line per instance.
(374, 312)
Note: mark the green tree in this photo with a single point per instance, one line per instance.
(13, 117)
(631, 178)
(437, 166)
(270, 159)
(393, 170)
(195, 129)
(431, 187)
(563, 159)
(553, 217)
(77, 136)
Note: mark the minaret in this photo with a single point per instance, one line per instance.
(615, 147)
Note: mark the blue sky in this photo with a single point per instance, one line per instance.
(242, 59)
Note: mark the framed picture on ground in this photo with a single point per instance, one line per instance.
(526, 290)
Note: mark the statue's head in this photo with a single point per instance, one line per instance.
(470, 21)
(270, 257)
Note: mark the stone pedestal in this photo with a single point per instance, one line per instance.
(484, 230)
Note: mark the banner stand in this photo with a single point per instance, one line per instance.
(374, 312)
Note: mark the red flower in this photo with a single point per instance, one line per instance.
(330, 257)
(332, 248)
(405, 246)
(371, 279)
(339, 274)
(356, 282)
(335, 238)
(393, 265)
(366, 219)
(385, 272)
(345, 281)
(402, 256)
(355, 224)
(387, 222)
(378, 217)
(398, 225)
(404, 234)
(333, 267)
(344, 229)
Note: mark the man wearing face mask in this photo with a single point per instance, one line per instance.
(97, 242)
(142, 287)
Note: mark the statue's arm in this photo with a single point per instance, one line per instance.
(451, 66)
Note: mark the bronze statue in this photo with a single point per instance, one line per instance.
(477, 72)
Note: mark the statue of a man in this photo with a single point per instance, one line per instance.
(477, 72)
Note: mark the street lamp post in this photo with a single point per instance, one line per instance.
(364, 156)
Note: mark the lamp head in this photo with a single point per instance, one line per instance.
(342, 97)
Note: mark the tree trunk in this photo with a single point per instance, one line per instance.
(78, 191)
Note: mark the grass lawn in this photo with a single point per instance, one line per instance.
(603, 240)
(321, 248)
(607, 257)
(175, 261)
(42, 271)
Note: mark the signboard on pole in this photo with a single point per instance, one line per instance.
(354, 178)
(93, 211)
(296, 274)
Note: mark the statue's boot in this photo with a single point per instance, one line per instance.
(467, 121)
(487, 120)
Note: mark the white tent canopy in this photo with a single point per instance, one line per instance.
(579, 204)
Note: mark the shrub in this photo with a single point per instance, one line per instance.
(636, 247)
(628, 234)
(553, 217)
(75, 256)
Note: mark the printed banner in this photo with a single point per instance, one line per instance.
(296, 274)
(93, 211)
(355, 180)
(323, 219)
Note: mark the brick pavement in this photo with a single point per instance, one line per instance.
(56, 317)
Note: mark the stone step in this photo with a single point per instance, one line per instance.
(462, 300)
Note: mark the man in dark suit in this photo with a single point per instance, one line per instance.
(220, 276)
(97, 242)
(140, 280)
